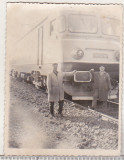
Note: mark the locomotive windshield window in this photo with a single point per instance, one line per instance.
(110, 26)
(79, 23)
(57, 25)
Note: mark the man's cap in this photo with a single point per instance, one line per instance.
(102, 67)
(55, 64)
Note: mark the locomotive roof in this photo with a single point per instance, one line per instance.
(101, 10)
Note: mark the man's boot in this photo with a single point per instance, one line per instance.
(52, 108)
(104, 104)
(60, 108)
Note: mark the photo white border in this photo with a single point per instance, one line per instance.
(2, 57)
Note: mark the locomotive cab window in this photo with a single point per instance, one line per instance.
(110, 26)
(57, 25)
(79, 23)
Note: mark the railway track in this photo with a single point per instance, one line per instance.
(86, 126)
(95, 112)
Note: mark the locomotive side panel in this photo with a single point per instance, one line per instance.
(52, 52)
(50, 48)
(26, 51)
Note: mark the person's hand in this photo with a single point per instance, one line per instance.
(74, 72)
(91, 70)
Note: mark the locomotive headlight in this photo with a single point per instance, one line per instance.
(77, 54)
(117, 55)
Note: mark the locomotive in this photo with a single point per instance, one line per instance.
(76, 40)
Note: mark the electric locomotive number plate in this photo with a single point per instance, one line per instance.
(100, 55)
(82, 76)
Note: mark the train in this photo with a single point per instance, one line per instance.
(76, 40)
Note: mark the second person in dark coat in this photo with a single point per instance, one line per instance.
(101, 87)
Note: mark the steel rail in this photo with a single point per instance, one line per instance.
(101, 115)
(112, 102)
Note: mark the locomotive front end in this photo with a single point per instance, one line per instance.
(89, 42)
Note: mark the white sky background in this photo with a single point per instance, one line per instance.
(22, 17)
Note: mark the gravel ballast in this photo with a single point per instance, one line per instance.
(31, 125)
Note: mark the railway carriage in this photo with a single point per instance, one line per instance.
(76, 41)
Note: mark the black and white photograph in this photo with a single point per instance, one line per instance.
(63, 79)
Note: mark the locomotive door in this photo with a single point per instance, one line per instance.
(40, 46)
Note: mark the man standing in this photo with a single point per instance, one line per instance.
(101, 87)
(55, 89)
